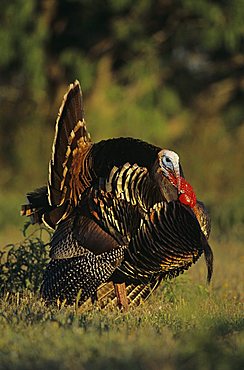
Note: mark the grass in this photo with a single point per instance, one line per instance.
(185, 325)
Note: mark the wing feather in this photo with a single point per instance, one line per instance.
(169, 242)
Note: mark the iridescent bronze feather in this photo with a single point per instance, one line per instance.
(116, 210)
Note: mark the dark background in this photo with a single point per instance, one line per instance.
(169, 72)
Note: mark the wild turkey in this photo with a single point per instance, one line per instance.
(122, 211)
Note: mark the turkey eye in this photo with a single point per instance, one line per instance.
(168, 163)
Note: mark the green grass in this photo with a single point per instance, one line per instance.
(185, 325)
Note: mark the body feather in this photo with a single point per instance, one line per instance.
(117, 219)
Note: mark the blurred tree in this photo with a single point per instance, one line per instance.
(22, 88)
(166, 71)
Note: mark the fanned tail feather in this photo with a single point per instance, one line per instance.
(70, 145)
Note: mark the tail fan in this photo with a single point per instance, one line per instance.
(68, 168)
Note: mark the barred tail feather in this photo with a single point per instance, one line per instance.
(70, 141)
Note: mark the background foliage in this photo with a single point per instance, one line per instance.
(169, 72)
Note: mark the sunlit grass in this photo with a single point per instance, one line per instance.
(184, 325)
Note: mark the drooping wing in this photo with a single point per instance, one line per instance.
(89, 245)
(101, 223)
(77, 278)
(68, 168)
(71, 241)
(168, 242)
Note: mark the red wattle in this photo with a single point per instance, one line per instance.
(187, 200)
(187, 195)
(183, 198)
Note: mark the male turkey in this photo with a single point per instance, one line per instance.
(122, 212)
